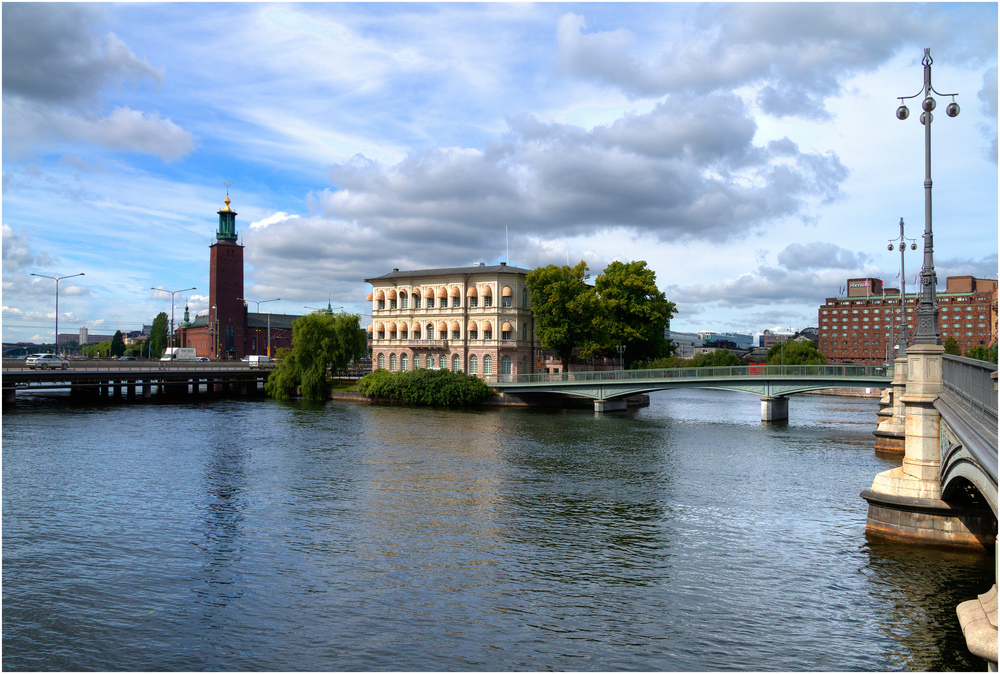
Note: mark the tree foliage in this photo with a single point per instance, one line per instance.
(988, 354)
(158, 335)
(442, 388)
(795, 352)
(99, 350)
(566, 310)
(952, 347)
(635, 312)
(320, 342)
(118, 345)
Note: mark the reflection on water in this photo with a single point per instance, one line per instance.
(259, 535)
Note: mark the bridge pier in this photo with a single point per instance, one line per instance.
(611, 405)
(904, 504)
(774, 409)
(890, 436)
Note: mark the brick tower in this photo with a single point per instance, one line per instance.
(227, 312)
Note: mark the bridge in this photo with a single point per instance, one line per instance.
(773, 383)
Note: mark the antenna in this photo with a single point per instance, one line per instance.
(506, 235)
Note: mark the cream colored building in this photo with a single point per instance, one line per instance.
(473, 319)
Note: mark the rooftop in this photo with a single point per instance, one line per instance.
(450, 271)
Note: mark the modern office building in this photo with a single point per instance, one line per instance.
(863, 327)
(471, 319)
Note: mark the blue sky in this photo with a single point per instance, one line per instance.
(749, 153)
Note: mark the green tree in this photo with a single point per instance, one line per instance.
(158, 335)
(566, 310)
(118, 345)
(99, 350)
(425, 387)
(795, 352)
(635, 313)
(320, 342)
(718, 358)
(983, 353)
(951, 347)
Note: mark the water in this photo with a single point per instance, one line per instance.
(234, 535)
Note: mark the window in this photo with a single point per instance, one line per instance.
(473, 365)
(487, 365)
(487, 334)
(505, 301)
(392, 363)
(392, 304)
(524, 332)
(524, 298)
(381, 334)
(456, 363)
(505, 334)
(402, 300)
(416, 301)
(456, 302)
(381, 361)
(488, 301)
(505, 366)
(473, 302)
(473, 334)
(430, 331)
(416, 362)
(443, 362)
(430, 302)
(403, 362)
(392, 335)
(381, 304)
(455, 334)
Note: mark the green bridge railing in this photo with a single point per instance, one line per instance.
(874, 372)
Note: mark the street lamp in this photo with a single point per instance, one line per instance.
(256, 341)
(57, 279)
(903, 336)
(927, 311)
(172, 293)
(621, 355)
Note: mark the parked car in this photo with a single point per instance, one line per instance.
(127, 358)
(45, 360)
(203, 359)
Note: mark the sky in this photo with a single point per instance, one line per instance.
(748, 153)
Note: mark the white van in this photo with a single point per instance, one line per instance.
(179, 353)
(260, 361)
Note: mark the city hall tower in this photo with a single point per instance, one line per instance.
(227, 310)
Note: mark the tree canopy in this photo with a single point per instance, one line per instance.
(320, 342)
(951, 347)
(635, 312)
(566, 310)
(718, 358)
(158, 335)
(117, 345)
(795, 352)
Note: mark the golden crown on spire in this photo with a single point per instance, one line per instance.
(226, 200)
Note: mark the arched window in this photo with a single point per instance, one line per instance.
(524, 365)
(473, 365)
(487, 365)
(392, 363)
(402, 299)
(430, 331)
(524, 298)
(416, 362)
(505, 366)
(403, 362)
(381, 361)
(456, 363)
(506, 296)
(443, 361)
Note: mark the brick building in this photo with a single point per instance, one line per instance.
(864, 326)
(471, 319)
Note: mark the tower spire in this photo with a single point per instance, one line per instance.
(227, 221)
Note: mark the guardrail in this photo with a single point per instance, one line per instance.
(109, 365)
(748, 371)
(973, 384)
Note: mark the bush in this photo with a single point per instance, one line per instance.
(438, 388)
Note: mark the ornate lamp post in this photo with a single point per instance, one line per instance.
(927, 331)
(57, 279)
(620, 348)
(256, 341)
(903, 335)
(172, 293)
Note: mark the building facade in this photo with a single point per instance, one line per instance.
(470, 319)
(864, 326)
(229, 331)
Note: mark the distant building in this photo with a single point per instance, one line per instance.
(229, 331)
(470, 319)
(685, 342)
(863, 327)
(769, 338)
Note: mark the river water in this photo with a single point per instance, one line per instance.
(258, 535)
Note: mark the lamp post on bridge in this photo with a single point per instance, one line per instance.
(927, 331)
(621, 355)
(172, 293)
(903, 334)
(257, 340)
(57, 279)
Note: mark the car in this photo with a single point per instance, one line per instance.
(127, 358)
(203, 359)
(45, 360)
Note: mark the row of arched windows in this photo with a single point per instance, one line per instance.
(475, 330)
(402, 363)
(441, 297)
